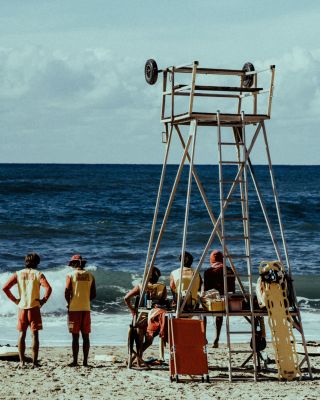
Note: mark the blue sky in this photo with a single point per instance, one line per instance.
(71, 74)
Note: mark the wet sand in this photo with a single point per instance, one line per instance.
(113, 380)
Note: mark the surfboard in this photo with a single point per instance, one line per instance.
(8, 351)
(274, 287)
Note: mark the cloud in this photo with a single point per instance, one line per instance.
(96, 99)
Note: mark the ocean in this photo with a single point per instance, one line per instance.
(104, 212)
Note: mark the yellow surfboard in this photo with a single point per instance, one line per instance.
(273, 287)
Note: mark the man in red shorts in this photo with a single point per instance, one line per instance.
(80, 290)
(29, 281)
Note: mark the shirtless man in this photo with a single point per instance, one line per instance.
(29, 303)
(80, 290)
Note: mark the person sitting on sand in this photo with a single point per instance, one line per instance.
(187, 275)
(29, 303)
(80, 290)
(213, 279)
(156, 292)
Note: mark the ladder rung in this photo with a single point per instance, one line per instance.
(232, 162)
(230, 199)
(235, 237)
(231, 181)
(241, 351)
(235, 218)
(230, 143)
(237, 256)
(240, 332)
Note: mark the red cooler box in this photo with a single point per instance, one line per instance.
(188, 352)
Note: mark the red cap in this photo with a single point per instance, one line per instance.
(77, 257)
(216, 256)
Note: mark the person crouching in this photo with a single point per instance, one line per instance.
(80, 290)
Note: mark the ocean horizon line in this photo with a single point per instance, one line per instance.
(147, 164)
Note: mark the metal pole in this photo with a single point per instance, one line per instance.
(211, 215)
(247, 243)
(223, 243)
(275, 193)
(225, 205)
(193, 133)
(155, 215)
(264, 210)
(166, 215)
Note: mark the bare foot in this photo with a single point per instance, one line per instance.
(215, 344)
(36, 365)
(73, 364)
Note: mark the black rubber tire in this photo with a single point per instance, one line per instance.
(177, 378)
(151, 71)
(248, 79)
(208, 379)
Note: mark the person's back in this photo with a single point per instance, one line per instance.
(81, 282)
(80, 290)
(177, 284)
(213, 278)
(29, 280)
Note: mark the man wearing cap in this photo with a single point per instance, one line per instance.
(29, 303)
(80, 290)
(213, 279)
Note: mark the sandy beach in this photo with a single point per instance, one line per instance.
(113, 380)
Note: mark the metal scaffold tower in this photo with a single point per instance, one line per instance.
(185, 90)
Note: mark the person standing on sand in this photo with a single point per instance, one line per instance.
(29, 303)
(80, 290)
(213, 279)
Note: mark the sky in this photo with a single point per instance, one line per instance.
(72, 87)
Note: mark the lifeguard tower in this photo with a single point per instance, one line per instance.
(230, 102)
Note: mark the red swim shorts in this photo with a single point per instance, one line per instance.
(79, 321)
(32, 317)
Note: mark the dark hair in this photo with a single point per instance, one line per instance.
(155, 275)
(32, 260)
(188, 259)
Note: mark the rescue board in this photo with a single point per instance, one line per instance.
(273, 287)
(8, 351)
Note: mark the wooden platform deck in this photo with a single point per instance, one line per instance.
(208, 119)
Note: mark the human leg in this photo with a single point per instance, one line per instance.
(86, 348)
(22, 347)
(75, 349)
(219, 321)
(35, 347)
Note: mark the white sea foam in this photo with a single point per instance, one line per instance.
(112, 329)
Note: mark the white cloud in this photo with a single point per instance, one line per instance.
(97, 100)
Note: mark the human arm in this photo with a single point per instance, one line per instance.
(48, 290)
(93, 290)
(127, 298)
(6, 288)
(68, 290)
(173, 287)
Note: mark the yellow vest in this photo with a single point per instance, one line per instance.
(187, 274)
(81, 285)
(29, 288)
(156, 290)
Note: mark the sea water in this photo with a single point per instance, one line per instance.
(104, 212)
